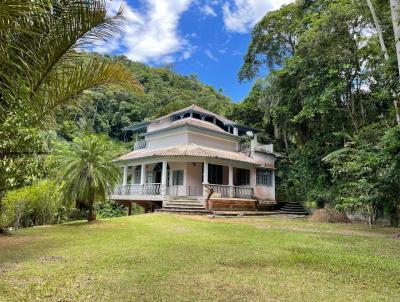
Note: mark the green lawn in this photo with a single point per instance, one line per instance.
(161, 257)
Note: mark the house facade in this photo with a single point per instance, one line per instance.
(180, 158)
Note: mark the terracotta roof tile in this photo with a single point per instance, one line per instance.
(188, 150)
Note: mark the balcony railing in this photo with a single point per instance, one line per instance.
(264, 148)
(244, 146)
(242, 192)
(233, 191)
(254, 145)
(146, 189)
(185, 190)
(225, 191)
(155, 189)
(140, 144)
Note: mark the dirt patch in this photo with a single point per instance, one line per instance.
(50, 259)
(329, 215)
(262, 226)
(396, 236)
(14, 241)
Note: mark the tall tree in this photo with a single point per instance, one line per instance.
(395, 10)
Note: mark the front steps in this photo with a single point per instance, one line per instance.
(293, 208)
(191, 205)
(184, 205)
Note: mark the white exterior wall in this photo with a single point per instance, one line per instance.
(167, 139)
(194, 174)
(208, 140)
(183, 135)
(265, 192)
(267, 159)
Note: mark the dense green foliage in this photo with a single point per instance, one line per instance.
(38, 204)
(111, 210)
(329, 87)
(41, 70)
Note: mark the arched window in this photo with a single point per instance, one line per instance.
(157, 171)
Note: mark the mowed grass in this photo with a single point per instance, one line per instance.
(161, 257)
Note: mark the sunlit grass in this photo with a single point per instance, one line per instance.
(179, 258)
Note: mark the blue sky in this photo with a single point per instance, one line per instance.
(204, 37)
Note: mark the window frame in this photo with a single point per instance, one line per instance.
(264, 177)
(177, 180)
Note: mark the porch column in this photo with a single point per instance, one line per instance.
(164, 178)
(230, 183)
(143, 175)
(143, 179)
(205, 173)
(205, 179)
(125, 177)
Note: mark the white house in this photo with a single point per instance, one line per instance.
(178, 158)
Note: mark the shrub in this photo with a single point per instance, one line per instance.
(110, 210)
(38, 204)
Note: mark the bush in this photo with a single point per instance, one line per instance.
(110, 210)
(38, 204)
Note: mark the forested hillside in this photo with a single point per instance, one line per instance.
(110, 109)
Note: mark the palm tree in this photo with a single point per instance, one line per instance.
(87, 170)
(40, 67)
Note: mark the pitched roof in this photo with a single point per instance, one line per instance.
(200, 110)
(188, 150)
(193, 122)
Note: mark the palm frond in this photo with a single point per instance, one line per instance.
(40, 41)
(87, 167)
(69, 79)
(76, 25)
(11, 10)
(335, 154)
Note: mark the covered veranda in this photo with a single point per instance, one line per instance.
(155, 180)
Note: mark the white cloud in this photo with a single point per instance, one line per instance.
(209, 54)
(151, 34)
(241, 15)
(208, 11)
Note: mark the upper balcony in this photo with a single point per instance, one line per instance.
(139, 144)
(254, 145)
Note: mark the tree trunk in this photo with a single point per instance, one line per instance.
(130, 209)
(276, 131)
(378, 29)
(394, 8)
(285, 139)
(91, 213)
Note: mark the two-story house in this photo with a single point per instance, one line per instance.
(178, 158)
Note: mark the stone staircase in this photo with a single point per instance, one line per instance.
(184, 205)
(292, 208)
